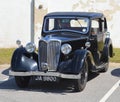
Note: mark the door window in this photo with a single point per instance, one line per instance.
(95, 27)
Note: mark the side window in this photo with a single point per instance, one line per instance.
(95, 27)
(95, 24)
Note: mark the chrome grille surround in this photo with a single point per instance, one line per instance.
(49, 53)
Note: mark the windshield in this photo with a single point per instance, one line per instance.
(73, 24)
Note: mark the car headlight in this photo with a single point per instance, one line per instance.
(30, 47)
(66, 49)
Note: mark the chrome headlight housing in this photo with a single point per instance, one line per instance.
(30, 47)
(66, 49)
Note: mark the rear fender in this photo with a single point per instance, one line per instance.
(21, 61)
(107, 50)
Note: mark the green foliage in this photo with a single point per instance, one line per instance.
(116, 58)
(5, 55)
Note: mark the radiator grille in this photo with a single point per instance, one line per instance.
(49, 52)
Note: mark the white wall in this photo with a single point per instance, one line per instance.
(15, 16)
(60, 5)
(14, 22)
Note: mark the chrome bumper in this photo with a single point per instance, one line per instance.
(37, 73)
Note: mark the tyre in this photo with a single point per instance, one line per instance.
(79, 84)
(22, 81)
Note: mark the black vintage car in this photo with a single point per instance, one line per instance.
(73, 45)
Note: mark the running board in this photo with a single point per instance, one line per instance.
(99, 67)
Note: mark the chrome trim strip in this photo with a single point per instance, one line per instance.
(37, 73)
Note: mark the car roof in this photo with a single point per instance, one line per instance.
(90, 15)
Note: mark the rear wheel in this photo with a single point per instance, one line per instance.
(80, 84)
(22, 81)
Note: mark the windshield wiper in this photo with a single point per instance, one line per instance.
(78, 22)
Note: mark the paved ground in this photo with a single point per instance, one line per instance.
(100, 88)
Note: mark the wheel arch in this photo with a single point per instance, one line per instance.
(21, 60)
(83, 55)
(108, 45)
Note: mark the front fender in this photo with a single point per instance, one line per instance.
(75, 65)
(21, 61)
(109, 45)
(79, 58)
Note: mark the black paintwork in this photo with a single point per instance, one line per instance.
(98, 53)
(21, 61)
(91, 15)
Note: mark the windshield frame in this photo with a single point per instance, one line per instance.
(66, 30)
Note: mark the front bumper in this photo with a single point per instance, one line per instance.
(38, 73)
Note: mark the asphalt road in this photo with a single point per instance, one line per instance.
(104, 87)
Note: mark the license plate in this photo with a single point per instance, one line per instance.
(47, 78)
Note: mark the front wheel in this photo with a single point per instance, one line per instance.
(79, 84)
(22, 81)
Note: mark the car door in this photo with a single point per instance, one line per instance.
(97, 28)
(100, 35)
(97, 39)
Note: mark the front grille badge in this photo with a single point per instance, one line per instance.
(44, 66)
